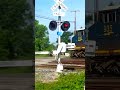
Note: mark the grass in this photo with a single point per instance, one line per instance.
(8, 70)
(43, 56)
(48, 56)
(71, 81)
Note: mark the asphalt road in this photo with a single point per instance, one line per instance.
(17, 81)
(16, 63)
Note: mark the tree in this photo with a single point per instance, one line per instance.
(42, 38)
(16, 30)
(66, 37)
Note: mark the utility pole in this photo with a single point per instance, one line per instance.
(75, 11)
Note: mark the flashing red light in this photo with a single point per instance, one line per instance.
(65, 25)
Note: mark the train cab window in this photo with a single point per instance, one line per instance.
(82, 33)
(118, 17)
(114, 16)
(111, 17)
(105, 17)
(108, 17)
(101, 16)
(79, 33)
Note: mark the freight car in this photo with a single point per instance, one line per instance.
(105, 33)
(79, 49)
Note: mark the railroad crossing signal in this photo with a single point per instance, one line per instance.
(53, 25)
(63, 7)
(65, 26)
(55, 6)
(59, 3)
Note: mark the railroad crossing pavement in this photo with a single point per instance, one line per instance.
(43, 61)
(21, 81)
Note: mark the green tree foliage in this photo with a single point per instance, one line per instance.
(42, 38)
(16, 30)
(66, 37)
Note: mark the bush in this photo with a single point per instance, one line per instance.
(72, 81)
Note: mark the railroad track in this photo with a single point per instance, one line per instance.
(66, 66)
(103, 84)
(71, 64)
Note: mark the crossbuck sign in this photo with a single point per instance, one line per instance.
(56, 5)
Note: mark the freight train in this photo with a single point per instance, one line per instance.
(104, 38)
(79, 48)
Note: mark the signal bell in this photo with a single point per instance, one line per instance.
(53, 25)
(65, 26)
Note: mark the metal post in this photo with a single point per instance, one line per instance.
(59, 65)
(59, 30)
(75, 22)
(59, 24)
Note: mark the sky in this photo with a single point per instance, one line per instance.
(43, 12)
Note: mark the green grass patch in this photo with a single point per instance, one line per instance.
(72, 81)
(9, 70)
(42, 55)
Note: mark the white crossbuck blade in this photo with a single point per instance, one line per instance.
(58, 3)
(63, 7)
(54, 7)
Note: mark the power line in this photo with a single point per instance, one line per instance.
(44, 17)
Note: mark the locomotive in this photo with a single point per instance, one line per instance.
(79, 40)
(105, 32)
